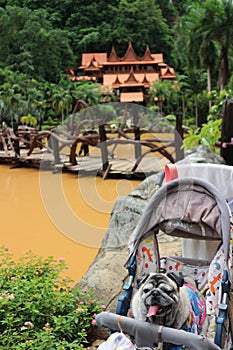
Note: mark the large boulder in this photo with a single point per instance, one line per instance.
(107, 273)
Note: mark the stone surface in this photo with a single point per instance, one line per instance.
(107, 273)
(202, 154)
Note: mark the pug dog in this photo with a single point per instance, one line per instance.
(163, 299)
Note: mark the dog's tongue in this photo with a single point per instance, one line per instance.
(152, 310)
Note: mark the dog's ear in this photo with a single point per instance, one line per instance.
(178, 279)
(142, 280)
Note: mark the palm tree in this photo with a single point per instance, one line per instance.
(194, 42)
(11, 99)
(219, 14)
(61, 102)
(206, 30)
(90, 93)
(165, 93)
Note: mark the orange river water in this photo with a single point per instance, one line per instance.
(59, 215)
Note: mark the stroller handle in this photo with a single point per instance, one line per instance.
(146, 334)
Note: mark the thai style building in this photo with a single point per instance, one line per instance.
(128, 76)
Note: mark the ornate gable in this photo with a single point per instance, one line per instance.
(167, 73)
(147, 55)
(70, 71)
(145, 81)
(113, 56)
(117, 81)
(131, 78)
(130, 54)
(93, 63)
(100, 58)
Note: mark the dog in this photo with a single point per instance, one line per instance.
(166, 300)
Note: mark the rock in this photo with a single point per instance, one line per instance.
(202, 154)
(107, 273)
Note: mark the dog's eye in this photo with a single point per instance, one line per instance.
(146, 290)
(166, 288)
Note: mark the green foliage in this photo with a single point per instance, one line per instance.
(204, 38)
(107, 112)
(29, 44)
(151, 28)
(206, 135)
(39, 308)
(88, 92)
(40, 40)
(29, 120)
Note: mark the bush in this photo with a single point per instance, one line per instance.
(209, 134)
(39, 308)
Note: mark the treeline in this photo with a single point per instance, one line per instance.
(41, 38)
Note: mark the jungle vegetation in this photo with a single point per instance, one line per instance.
(41, 38)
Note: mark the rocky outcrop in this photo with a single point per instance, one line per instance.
(202, 154)
(107, 274)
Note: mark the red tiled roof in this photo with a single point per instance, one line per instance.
(119, 79)
(167, 73)
(130, 54)
(147, 55)
(100, 58)
(109, 79)
(131, 78)
(158, 57)
(152, 76)
(113, 56)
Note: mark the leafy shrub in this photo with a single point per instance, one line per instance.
(39, 309)
(29, 120)
(207, 135)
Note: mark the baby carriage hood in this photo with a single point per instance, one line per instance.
(188, 208)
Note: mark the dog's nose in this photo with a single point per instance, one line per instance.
(155, 293)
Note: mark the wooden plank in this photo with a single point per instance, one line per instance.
(119, 167)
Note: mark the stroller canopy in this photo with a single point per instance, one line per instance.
(188, 208)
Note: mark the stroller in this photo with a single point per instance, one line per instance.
(196, 211)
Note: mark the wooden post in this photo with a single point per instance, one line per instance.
(137, 147)
(55, 147)
(16, 142)
(103, 147)
(179, 137)
(85, 146)
(227, 132)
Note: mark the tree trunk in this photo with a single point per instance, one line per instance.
(209, 82)
(208, 78)
(223, 74)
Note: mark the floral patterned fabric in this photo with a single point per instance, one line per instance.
(208, 278)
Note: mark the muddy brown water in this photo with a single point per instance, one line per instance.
(59, 215)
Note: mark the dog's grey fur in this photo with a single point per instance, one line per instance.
(164, 290)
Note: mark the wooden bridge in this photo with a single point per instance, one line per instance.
(129, 152)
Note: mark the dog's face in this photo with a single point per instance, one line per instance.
(157, 298)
